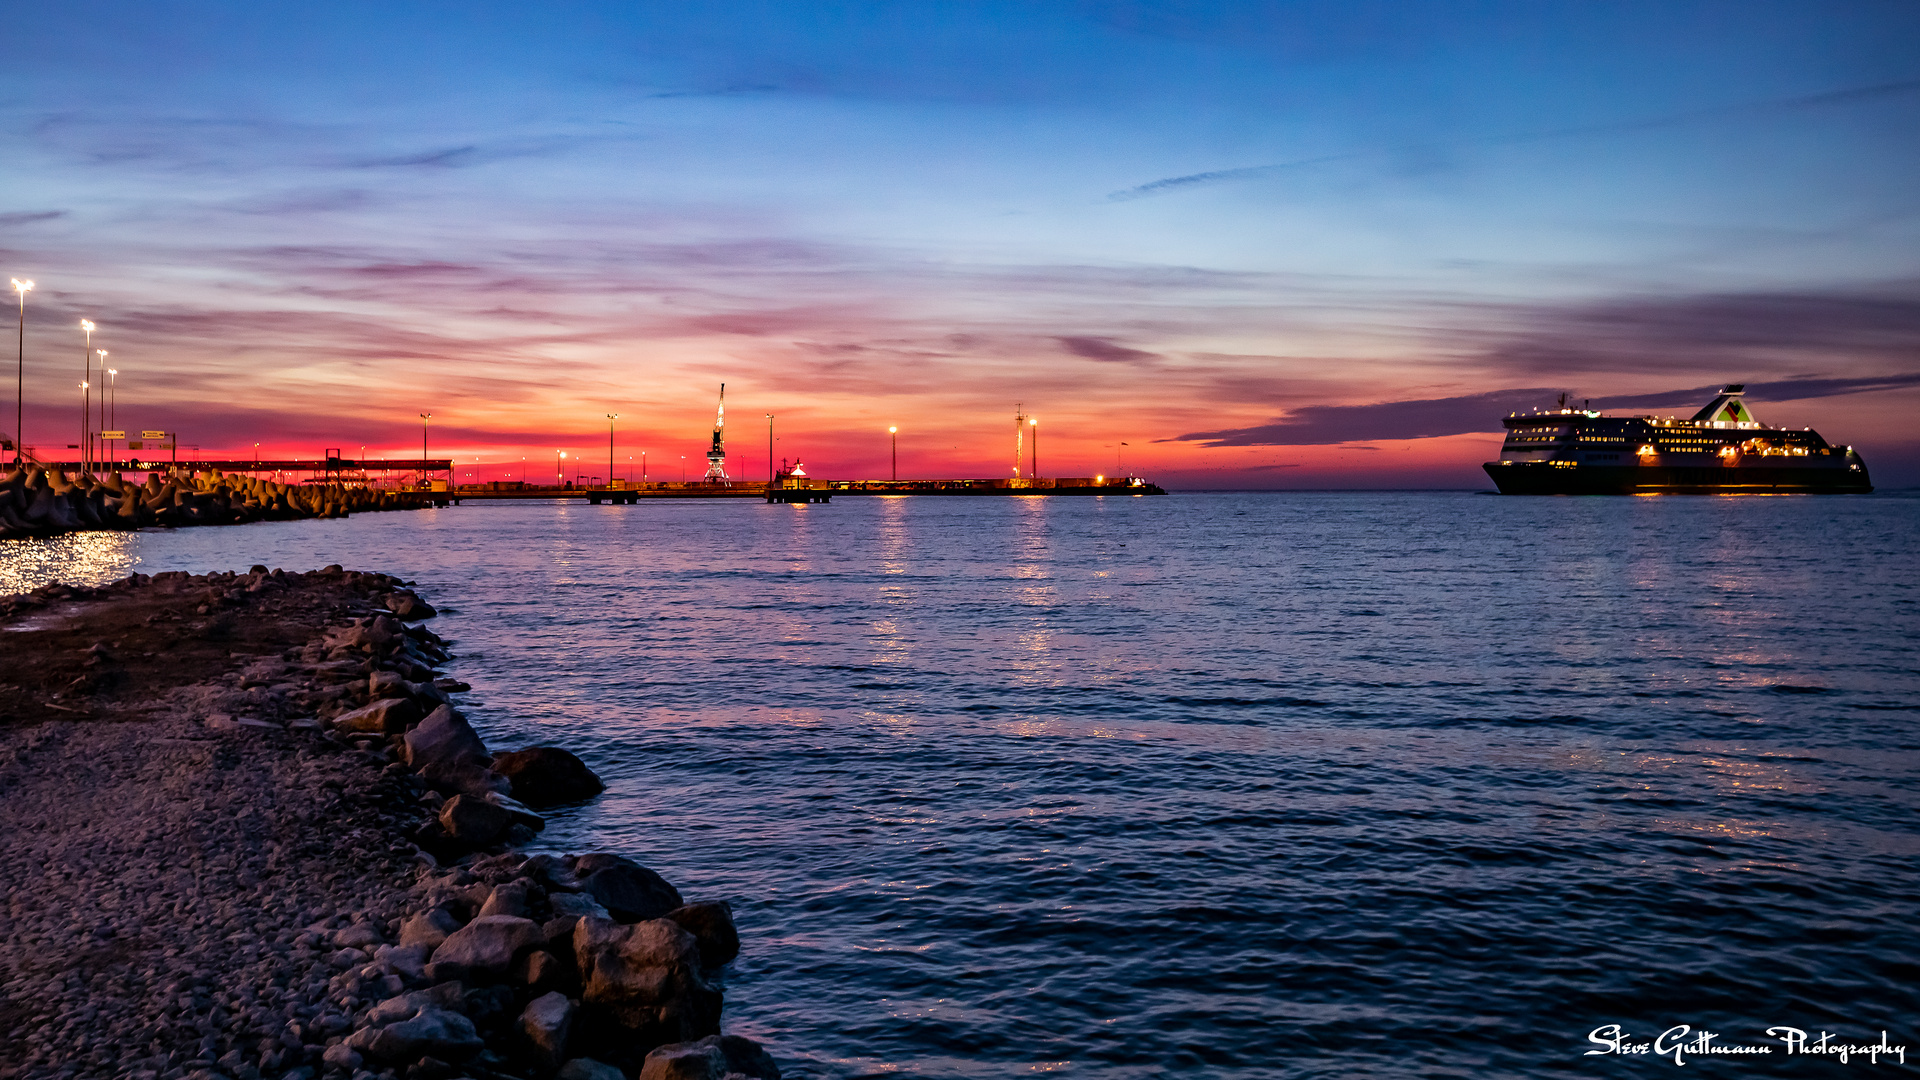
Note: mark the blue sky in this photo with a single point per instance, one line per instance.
(1148, 222)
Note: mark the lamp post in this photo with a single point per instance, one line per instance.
(769, 450)
(1033, 428)
(86, 376)
(683, 468)
(893, 437)
(20, 374)
(113, 398)
(611, 417)
(559, 470)
(425, 419)
(99, 413)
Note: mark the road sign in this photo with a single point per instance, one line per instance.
(136, 445)
(113, 434)
(153, 434)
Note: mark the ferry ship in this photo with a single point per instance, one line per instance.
(1722, 450)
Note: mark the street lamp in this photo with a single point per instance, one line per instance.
(611, 417)
(893, 436)
(86, 373)
(100, 413)
(20, 373)
(559, 470)
(1033, 425)
(769, 449)
(425, 419)
(113, 397)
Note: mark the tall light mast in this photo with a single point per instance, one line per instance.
(717, 456)
(1019, 438)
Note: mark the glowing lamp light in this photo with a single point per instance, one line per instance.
(1646, 451)
(22, 287)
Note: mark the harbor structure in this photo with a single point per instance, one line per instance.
(717, 454)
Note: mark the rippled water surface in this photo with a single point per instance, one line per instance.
(1256, 785)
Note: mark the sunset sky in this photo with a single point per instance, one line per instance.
(1316, 244)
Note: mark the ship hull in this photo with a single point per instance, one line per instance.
(1548, 478)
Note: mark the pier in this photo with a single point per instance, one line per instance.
(806, 489)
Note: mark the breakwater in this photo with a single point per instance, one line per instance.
(254, 837)
(48, 502)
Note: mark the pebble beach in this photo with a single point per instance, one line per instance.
(246, 833)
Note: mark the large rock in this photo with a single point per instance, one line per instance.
(484, 950)
(445, 739)
(711, 924)
(476, 780)
(630, 892)
(509, 898)
(437, 1033)
(547, 776)
(388, 716)
(712, 1058)
(519, 813)
(474, 821)
(429, 928)
(647, 978)
(545, 1024)
(410, 607)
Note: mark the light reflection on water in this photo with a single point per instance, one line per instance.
(1280, 785)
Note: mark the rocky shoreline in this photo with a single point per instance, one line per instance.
(42, 502)
(247, 833)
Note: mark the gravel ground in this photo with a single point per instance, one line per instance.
(169, 881)
(213, 864)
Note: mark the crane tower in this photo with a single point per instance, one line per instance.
(717, 456)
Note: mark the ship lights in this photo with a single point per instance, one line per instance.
(1647, 450)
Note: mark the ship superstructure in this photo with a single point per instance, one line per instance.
(1721, 449)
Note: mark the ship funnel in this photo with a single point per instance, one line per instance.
(1727, 407)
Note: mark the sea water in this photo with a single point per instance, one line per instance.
(1261, 785)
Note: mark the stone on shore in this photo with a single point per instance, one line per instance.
(588, 1069)
(509, 898)
(445, 739)
(431, 1032)
(429, 928)
(388, 716)
(647, 978)
(711, 924)
(483, 951)
(410, 607)
(547, 776)
(715, 1057)
(546, 1022)
(629, 891)
(474, 821)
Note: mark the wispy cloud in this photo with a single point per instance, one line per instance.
(1398, 421)
(1742, 110)
(1104, 349)
(28, 217)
